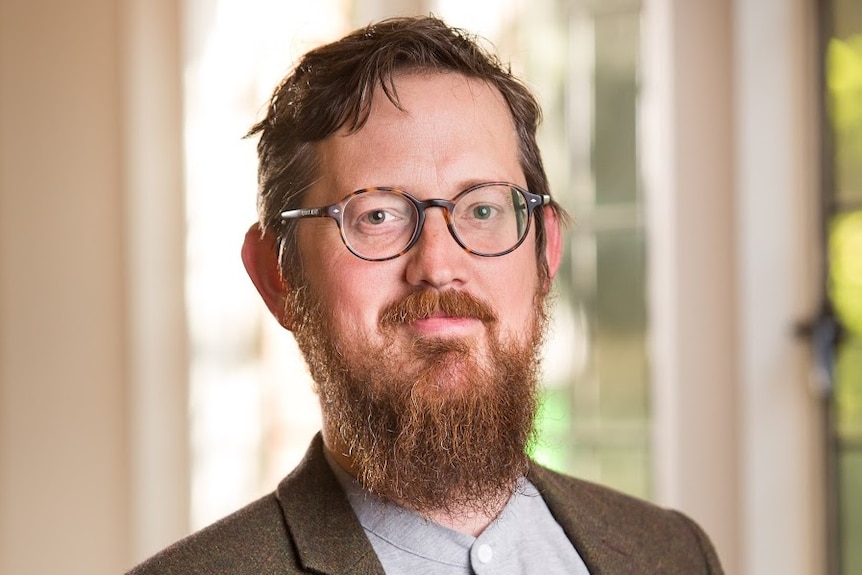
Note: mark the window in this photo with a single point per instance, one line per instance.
(596, 419)
(843, 67)
(252, 409)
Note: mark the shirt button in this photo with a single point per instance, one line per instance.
(485, 553)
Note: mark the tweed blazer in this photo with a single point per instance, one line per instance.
(308, 526)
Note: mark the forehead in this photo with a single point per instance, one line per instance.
(449, 132)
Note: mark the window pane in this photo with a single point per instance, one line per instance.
(596, 420)
(252, 410)
(616, 41)
(844, 69)
(845, 288)
(850, 472)
(844, 86)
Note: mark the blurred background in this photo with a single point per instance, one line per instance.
(706, 350)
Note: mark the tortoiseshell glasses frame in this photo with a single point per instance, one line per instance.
(489, 219)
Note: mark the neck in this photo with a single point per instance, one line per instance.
(470, 522)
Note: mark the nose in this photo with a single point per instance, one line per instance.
(436, 260)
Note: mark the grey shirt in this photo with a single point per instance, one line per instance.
(523, 539)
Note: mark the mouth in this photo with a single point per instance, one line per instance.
(443, 325)
(433, 309)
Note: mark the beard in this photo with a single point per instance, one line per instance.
(432, 424)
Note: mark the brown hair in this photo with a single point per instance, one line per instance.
(331, 87)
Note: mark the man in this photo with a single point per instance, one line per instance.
(408, 240)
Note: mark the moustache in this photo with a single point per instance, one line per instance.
(430, 302)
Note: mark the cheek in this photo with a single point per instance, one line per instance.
(353, 292)
(513, 291)
(354, 308)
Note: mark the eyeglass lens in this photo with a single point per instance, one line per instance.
(487, 220)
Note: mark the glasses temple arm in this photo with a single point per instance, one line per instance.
(303, 213)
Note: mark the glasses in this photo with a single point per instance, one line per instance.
(377, 224)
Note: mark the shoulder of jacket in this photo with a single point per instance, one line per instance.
(252, 540)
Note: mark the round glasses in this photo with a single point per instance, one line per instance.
(489, 219)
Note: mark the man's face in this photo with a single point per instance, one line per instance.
(383, 365)
(455, 132)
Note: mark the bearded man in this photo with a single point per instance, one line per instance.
(408, 239)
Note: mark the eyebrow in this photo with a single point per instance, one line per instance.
(460, 187)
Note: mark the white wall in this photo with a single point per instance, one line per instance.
(87, 144)
(151, 70)
(776, 191)
(730, 146)
(64, 495)
(687, 142)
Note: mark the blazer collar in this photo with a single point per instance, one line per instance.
(581, 513)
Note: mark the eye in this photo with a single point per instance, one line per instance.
(377, 217)
(483, 212)
(378, 214)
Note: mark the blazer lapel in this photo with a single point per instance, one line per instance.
(582, 515)
(327, 535)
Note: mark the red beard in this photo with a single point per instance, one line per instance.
(432, 425)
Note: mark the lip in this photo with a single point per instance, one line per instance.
(443, 325)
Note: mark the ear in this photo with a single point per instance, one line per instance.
(553, 241)
(260, 257)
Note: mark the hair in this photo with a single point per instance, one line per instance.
(332, 87)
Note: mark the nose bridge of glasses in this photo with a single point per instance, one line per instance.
(448, 208)
(446, 205)
(421, 233)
